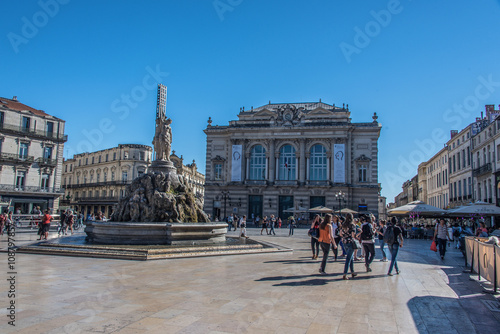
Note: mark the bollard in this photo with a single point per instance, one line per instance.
(495, 268)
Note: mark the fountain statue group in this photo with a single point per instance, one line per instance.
(162, 141)
(160, 200)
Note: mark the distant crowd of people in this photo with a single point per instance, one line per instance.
(269, 224)
(42, 221)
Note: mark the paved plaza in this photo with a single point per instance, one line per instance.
(264, 293)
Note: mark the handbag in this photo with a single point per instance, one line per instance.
(313, 233)
(433, 246)
(355, 244)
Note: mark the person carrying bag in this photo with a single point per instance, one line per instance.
(326, 239)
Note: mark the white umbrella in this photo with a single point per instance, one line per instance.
(417, 208)
(295, 210)
(321, 209)
(473, 209)
(347, 210)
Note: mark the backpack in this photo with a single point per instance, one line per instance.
(366, 232)
(456, 233)
(389, 235)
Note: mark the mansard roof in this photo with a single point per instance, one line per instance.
(14, 104)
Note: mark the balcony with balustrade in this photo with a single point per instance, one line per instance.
(16, 158)
(39, 134)
(32, 190)
(484, 169)
(46, 162)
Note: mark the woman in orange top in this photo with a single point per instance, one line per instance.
(46, 219)
(326, 239)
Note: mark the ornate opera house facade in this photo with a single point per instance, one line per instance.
(291, 155)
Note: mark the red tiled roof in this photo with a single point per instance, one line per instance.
(16, 105)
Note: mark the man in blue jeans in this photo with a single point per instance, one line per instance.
(398, 242)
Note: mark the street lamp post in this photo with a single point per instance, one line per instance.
(224, 195)
(340, 196)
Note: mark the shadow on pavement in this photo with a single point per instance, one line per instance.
(469, 313)
(328, 278)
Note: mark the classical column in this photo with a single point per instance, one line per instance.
(328, 173)
(302, 168)
(243, 162)
(349, 178)
(276, 159)
(307, 169)
(271, 161)
(332, 157)
(247, 169)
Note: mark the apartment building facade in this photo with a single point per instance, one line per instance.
(31, 156)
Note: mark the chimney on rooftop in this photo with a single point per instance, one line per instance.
(14, 98)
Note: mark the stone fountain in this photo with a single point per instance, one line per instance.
(159, 218)
(159, 207)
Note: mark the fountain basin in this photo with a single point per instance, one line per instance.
(155, 233)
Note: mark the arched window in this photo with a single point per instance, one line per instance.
(317, 163)
(287, 163)
(257, 163)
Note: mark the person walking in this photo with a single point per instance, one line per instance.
(368, 241)
(272, 224)
(243, 227)
(457, 230)
(341, 223)
(314, 233)
(70, 220)
(3, 221)
(357, 232)
(9, 223)
(326, 240)
(36, 212)
(380, 232)
(336, 235)
(348, 234)
(442, 235)
(291, 225)
(394, 239)
(235, 222)
(46, 219)
(62, 223)
(264, 225)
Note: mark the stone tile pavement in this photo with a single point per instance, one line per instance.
(264, 293)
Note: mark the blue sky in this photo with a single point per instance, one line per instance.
(95, 63)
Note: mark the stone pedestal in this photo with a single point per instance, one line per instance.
(162, 166)
(129, 233)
